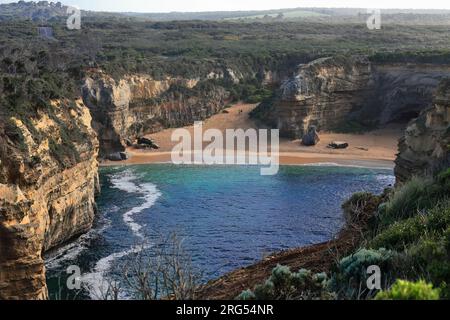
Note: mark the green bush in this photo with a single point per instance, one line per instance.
(444, 177)
(65, 153)
(350, 278)
(424, 241)
(356, 265)
(431, 258)
(403, 233)
(286, 285)
(404, 290)
(409, 199)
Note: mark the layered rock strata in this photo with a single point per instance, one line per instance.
(425, 147)
(137, 104)
(48, 180)
(331, 93)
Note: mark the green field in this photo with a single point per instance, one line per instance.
(286, 15)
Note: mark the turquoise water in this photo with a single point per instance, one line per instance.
(229, 216)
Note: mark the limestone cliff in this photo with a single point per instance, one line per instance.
(322, 93)
(425, 148)
(48, 179)
(137, 104)
(404, 90)
(331, 92)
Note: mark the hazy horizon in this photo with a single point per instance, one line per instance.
(142, 6)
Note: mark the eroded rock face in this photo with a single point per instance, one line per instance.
(425, 148)
(46, 192)
(321, 94)
(331, 92)
(405, 90)
(137, 104)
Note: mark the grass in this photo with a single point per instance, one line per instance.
(410, 199)
(415, 222)
(292, 14)
(432, 223)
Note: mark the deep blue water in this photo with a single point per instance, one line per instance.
(229, 216)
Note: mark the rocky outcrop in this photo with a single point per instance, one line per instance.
(322, 93)
(137, 104)
(425, 148)
(330, 93)
(311, 138)
(48, 179)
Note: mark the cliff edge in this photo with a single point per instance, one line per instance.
(425, 147)
(48, 180)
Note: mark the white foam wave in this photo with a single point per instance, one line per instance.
(97, 282)
(335, 164)
(149, 194)
(71, 251)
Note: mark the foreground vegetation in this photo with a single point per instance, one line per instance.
(407, 237)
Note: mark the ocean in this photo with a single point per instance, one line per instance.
(227, 217)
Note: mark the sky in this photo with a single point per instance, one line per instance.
(233, 5)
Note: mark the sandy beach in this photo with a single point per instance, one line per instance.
(373, 149)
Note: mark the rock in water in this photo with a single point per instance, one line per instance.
(124, 155)
(311, 138)
(338, 145)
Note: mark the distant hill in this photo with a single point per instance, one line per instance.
(47, 11)
(36, 11)
(326, 14)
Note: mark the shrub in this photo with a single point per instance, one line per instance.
(64, 153)
(16, 135)
(425, 242)
(286, 285)
(407, 200)
(431, 258)
(404, 290)
(360, 207)
(350, 278)
(356, 265)
(403, 233)
(247, 295)
(444, 177)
